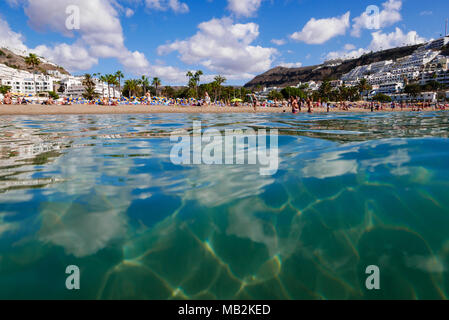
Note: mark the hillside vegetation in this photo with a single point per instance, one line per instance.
(15, 61)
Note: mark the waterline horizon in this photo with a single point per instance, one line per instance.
(86, 109)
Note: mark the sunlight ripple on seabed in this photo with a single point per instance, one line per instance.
(100, 192)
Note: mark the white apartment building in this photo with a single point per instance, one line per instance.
(29, 85)
(380, 66)
(440, 76)
(443, 63)
(56, 74)
(389, 77)
(366, 70)
(439, 63)
(424, 97)
(390, 88)
(25, 82)
(313, 86)
(355, 74)
(420, 57)
(333, 62)
(74, 88)
(438, 43)
(408, 67)
(336, 83)
(352, 83)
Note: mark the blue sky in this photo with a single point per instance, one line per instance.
(235, 38)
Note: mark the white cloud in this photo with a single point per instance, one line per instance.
(349, 47)
(224, 47)
(245, 8)
(379, 41)
(396, 38)
(72, 57)
(129, 13)
(104, 38)
(387, 17)
(278, 42)
(428, 264)
(331, 165)
(96, 38)
(77, 56)
(9, 38)
(346, 54)
(291, 65)
(82, 234)
(426, 13)
(322, 30)
(167, 73)
(164, 5)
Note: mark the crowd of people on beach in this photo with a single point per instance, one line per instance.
(295, 104)
(9, 99)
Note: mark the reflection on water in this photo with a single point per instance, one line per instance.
(100, 192)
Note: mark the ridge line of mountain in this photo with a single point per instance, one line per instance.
(283, 77)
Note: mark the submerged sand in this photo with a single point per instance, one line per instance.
(145, 109)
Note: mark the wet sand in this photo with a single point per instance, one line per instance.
(145, 109)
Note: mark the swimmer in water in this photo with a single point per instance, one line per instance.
(295, 106)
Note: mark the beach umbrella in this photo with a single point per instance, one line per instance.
(236, 100)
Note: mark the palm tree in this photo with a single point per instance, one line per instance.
(89, 87)
(219, 80)
(108, 79)
(325, 90)
(119, 75)
(145, 83)
(197, 78)
(413, 89)
(189, 75)
(33, 61)
(103, 80)
(156, 83)
(132, 86)
(194, 79)
(364, 86)
(114, 83)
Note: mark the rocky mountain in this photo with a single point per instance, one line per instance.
(16, 61)
(283, 77)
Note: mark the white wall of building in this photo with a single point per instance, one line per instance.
(423, 97)
(440, 76)
(29, 85)
(25, 82)
(74, 88)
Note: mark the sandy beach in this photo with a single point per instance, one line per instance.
(145, 109)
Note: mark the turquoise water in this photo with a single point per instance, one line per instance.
(101, 193)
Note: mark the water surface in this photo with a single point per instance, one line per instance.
(100, 192)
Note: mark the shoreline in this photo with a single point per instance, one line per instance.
(29, 110)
